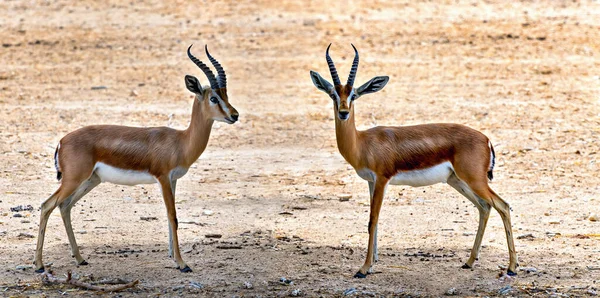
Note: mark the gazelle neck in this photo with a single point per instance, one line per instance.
(197, 134)
(347, 138)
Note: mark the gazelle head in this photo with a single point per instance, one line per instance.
(344, 95)
(212, 100)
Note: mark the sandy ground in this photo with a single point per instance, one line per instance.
(526, 74)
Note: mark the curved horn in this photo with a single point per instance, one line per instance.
(222, 79)
(209, 74)
(354, 68)
(334, 75)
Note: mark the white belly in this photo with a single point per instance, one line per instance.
(116, 175)
(423, 177)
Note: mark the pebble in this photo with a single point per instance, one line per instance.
(505, 290)
(208, 212)
(248, 285)
(196, 285)
(344, 197)
(24, 267)
(21, 208)
(82, 232)
(213, 235)
(25, 235)
(134, 93)
(526, 236)
(451, 292)
(528, 269)
(593, 217)
(296, 293)
(285, 281)
(99, 87)
(25, 221)
(349, 292)
(17, 215)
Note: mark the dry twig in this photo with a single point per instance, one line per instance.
(47, 277)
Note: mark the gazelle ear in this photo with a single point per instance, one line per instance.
(192, 84)
(374, 85)
(320, 82)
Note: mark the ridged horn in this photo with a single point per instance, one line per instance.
(354, 68)
(222, 79)
(209, 74)
(334, 75)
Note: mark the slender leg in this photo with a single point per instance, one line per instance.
(65, 211)
(375, 250)
(378, 194)
(504, 209)
(173, 188)
(65, 190)
(167, 191)
(484, 213)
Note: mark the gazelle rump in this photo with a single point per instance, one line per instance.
(134, 155)
(416, 155)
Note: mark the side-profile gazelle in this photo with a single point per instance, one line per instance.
(417, 155)
(134, 155)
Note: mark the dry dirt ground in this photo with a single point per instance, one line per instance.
(527, 74)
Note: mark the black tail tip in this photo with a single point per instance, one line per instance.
(58, 175)
(490, 175)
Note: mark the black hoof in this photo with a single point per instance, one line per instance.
(465, 266)
(83, 263)
(359, 275)
(41, 270)
(185, 269)
(511, 273)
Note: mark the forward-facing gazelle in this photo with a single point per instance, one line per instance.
(417, 155)
(134, 155)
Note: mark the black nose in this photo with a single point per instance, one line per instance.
(344, 115)
(235, 117)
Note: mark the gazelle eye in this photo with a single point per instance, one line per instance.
(214, 100)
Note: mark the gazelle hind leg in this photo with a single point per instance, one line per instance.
(63, 192)
(484, 213)
(65, 211)
(504, 209)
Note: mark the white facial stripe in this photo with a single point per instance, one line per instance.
(349, 99)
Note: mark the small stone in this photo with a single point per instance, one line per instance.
(99, 87)
(349, 292)
(344, 197)
(128, 199)
(285, 281)
(24, 267)
(296, 293)
(208, 212)
(25, 221)
(451, 292)
(593, 217)
(17, 215)
(134, 93)
(196, 285)
(526, 237)
(528, 269)
(248, 285)
(21, 208)
(25, 235)
(505, 290)
(82, 232)
(213, 235)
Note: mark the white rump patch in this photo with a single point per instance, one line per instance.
(120, 176)
(422, 177)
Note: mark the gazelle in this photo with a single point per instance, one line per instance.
(417, 155)
(134, 155)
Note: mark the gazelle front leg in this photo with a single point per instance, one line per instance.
(375, 250)
(168, 196)
(378, 193)
(173, 187)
